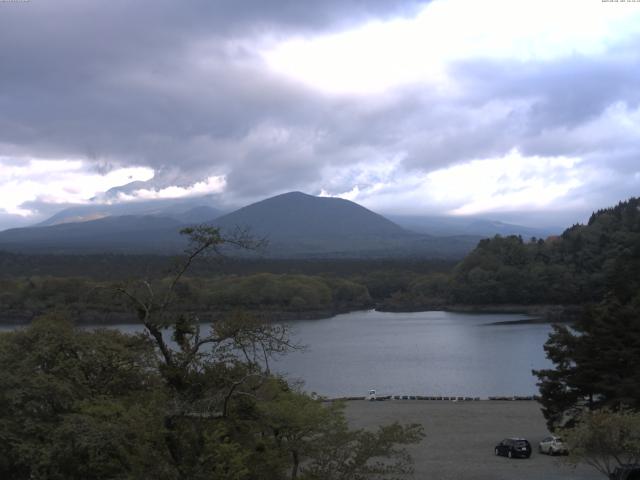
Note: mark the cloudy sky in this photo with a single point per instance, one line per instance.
(522, 110)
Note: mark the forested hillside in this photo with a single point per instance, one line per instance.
(580, 266)
(596, 359)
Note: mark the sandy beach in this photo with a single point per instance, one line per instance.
(460, 438)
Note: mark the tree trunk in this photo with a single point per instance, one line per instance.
(296, 463)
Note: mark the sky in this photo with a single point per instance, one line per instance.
(520, 110)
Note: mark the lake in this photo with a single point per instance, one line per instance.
(420, 353)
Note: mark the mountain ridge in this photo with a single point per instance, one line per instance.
(297, 225)
(194, 209)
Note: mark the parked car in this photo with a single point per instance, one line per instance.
(553, 445)
(514, 447)
(627, 472)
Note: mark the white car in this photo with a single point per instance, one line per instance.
(553, 445)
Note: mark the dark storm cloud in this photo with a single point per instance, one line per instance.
(120, 78)
(177, 86)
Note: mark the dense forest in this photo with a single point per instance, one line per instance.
(579, 267)
(596, 357)
(90, 301)
(276, 287)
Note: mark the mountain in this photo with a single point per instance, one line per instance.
(186, 210)
(124, 234)
(296, 225)
(296, 214)
(449, 225)
(301, 225)
(196, 215)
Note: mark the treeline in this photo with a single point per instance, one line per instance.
(87, 300)
(306, 287)
(580, 266)
(595, 360)
(110, 266)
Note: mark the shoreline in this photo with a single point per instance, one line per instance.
(542, 310)
(540, 314)
(93, 317)
(432, 398)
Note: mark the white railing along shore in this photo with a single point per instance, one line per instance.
(440, 398)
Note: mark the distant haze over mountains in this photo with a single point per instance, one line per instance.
(468, 225)
(190, 210)
(295, 225)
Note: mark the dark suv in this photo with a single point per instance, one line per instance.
(514, 447)
(626, 472)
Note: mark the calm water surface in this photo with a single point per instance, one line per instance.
(423, 353)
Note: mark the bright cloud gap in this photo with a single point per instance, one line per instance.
(66, 181)
(214, 184)
(509, 183)
(57, 181)
(386, 54)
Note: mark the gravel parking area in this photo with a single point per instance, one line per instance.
(460, 438)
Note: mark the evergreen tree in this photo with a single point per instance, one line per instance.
(596, 362)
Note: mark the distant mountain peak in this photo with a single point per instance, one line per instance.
(297, 213)
(291, 194)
